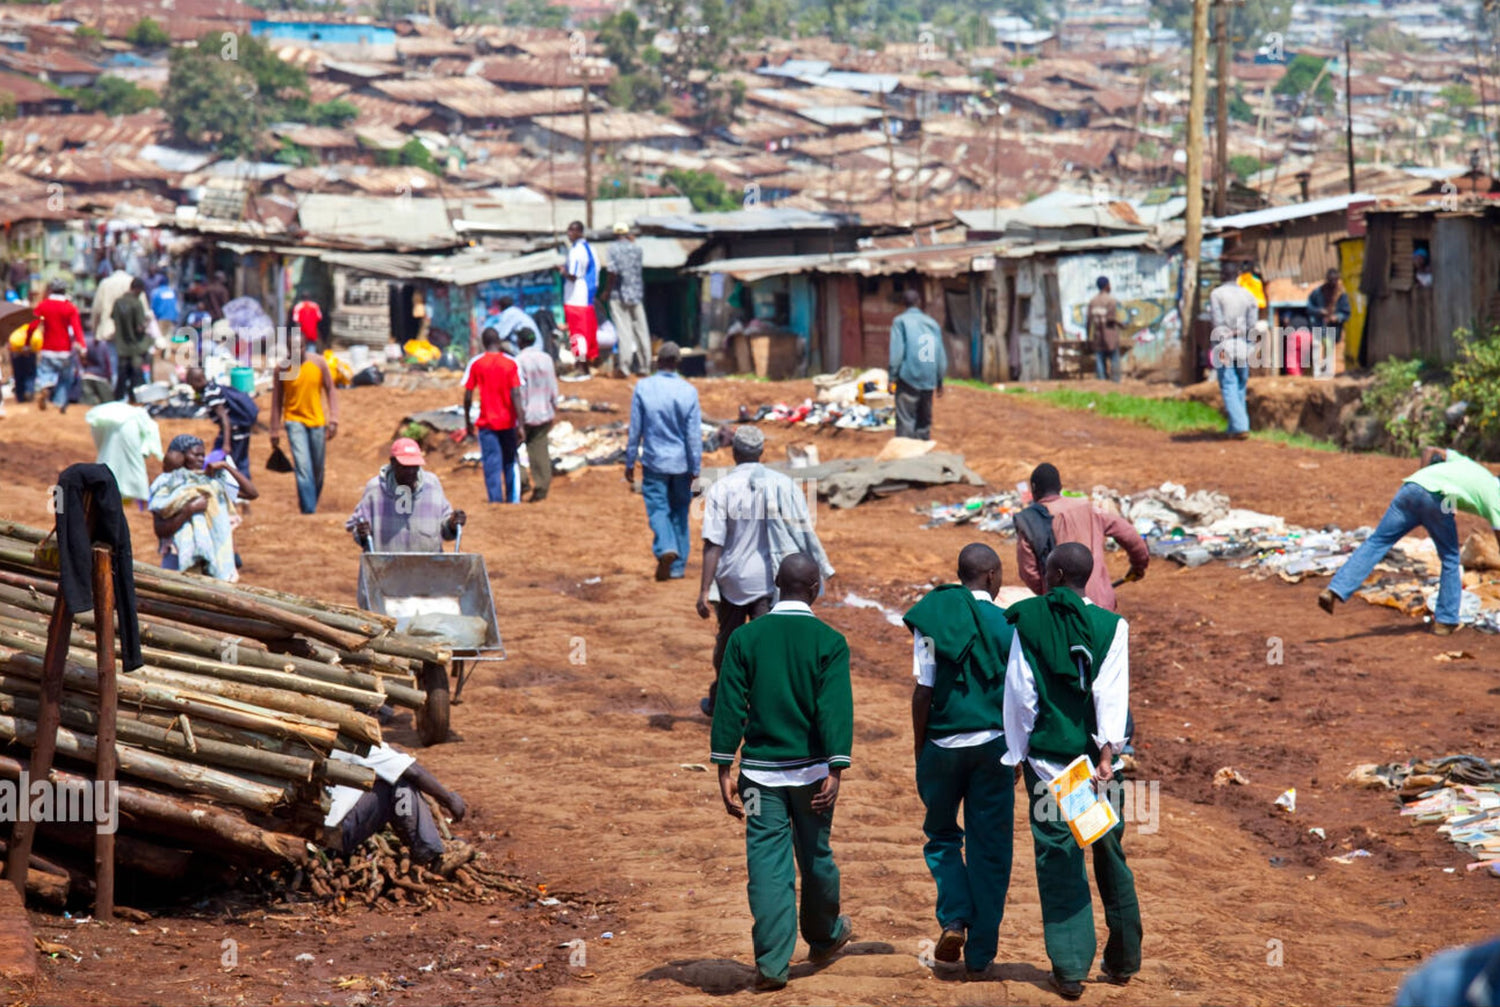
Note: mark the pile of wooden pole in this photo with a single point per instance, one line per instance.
(223, 738)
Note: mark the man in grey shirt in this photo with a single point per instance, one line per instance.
(1235, 316)
(918, 362)
(753, 518)
(627, 288)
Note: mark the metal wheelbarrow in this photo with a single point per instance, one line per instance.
(442, 596)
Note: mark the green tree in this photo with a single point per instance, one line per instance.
(1242, 166)
(1301, 72)
(295, 155)
(413, 155)
(113, 96)
(706, 190)
(535, 14)
(148, 34)
(222, 91)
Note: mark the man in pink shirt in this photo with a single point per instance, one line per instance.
(1053, 519)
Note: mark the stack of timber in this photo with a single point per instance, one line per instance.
(224, 737)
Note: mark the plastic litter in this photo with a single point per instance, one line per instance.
(1288, 800)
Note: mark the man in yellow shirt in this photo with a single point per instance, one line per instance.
(303, 381)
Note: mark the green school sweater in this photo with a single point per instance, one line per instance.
(970, 641)
(1053, 631)
(784, 691)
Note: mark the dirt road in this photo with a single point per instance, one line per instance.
(579, 754)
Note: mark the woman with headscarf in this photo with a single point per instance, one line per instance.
(193, 514)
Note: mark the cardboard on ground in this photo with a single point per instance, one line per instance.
(1087, 816)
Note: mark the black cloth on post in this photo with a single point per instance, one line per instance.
(75, 549)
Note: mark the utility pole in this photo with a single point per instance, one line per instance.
(1349, 119)
(588, 157)
(1192, 240)
(1484, 107)
(1221, 114)
(890, 157)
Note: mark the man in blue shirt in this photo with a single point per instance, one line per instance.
(666, 433)
(164, 304)
(512, 321)
(918, 363)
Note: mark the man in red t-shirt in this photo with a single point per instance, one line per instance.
(499, 382)
(309, 316)
(62, 346)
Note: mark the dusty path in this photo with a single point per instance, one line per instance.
(572, 751)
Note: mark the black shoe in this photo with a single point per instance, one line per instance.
(706, 707)
(664, 565)
(1068, 989)
(765, 984)
(826, 953)
(1115, 978)
(950, 945)
(1327, 599)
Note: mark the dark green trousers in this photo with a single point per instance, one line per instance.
(1062, 881)
(969, 894)
(783, 835)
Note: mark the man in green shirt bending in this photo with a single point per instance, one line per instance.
(1447, 482)
(784, 692)
(960, 644)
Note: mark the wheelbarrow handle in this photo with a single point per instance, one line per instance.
(458, 538)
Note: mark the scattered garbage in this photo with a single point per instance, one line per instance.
(859, 601)
(1225, 776)
(1288, 800)
(840, 416)
(1278, 861)
(1315, 831)
(1460, 794)
(1351, 856)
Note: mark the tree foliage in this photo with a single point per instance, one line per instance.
(113, 96)
(1301, 72)
(706, 190)
(148, 34)
(223, 91)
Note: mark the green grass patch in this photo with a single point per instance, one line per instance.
(1170, 415)
(1295, 440)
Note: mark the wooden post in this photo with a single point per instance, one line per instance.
(588, 156)
(1221, 113)
(1349, 119)
(48, 719)
(107, 758)
(1192, 239)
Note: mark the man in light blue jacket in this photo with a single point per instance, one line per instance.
(918, 363)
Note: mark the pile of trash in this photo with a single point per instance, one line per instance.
(841, 416)
(1460, 794)
(576, 404)
(1199, 527)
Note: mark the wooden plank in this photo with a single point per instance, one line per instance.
(17, 944)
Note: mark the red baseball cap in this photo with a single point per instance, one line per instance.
(406, 452)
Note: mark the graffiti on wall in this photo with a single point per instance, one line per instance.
(1145, 284)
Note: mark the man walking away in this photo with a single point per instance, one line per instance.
(298, 405)
(785, 694)
(132, 339)
(1446, 482)
(1104, 331)
(1235, 314)
(960, 645)
(1067, 687)
(539, 409)
(1053, 519)
(309, 319)
(164, 304)
(62, 349)
(753, 518)
(216, 295)
(918, 362)
(113, 286)
(666, 434)
(498, 380)
(626, 287)
(580, 288)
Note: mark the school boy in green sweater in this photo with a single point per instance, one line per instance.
(784, 692)
(1067, 688)
(960, 645)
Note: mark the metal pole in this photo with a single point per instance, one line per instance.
(106, 757)
(1221, 114)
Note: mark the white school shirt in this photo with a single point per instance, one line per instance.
(576, 292)
(788, 777)
(924, 670)
(1111, 702)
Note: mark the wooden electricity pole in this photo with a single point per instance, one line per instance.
(1221, 113)
(1192, 240)
(588, 157)
(1349, 119)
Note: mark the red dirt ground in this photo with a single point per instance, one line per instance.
(573, 753)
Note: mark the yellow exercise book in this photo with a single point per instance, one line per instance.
(1087, 816)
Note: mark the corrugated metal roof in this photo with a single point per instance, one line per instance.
(493, 216)
(1281, 214)
(369, 220)
(761, 219)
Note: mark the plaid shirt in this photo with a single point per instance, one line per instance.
(401, 519)
(625, 258)
(538, 386)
